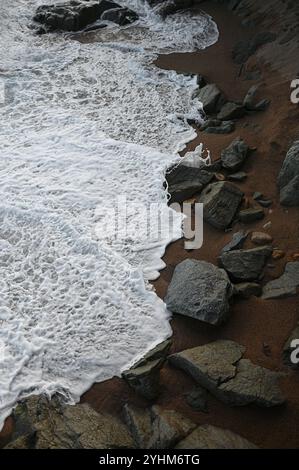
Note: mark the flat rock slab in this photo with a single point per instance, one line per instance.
(245, 265)
(286, 285)
(199, 290)
(221, 202)
(231, 110)
(212, 437)
(234, 155)
(219, 368)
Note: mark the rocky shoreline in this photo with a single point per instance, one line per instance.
(224, 380)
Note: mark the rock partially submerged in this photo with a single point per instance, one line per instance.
(288, 179)
(221, 202)
(199, 290)
(286, 285)
(144, 376)
(75, 15)
(185, 181)
(212, 437)
(212, 98)
(219, 367)
(234, 155)
(245, 265)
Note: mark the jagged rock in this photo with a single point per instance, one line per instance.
(212, 98)
(226, 127)
(199, 290)
(248, 289)
(230, 111)
(219, 368)
(198, 399)
(290, 348)
(76, 14)
(237, 241)
(245, 265)
(261, 238)
(234, 155)
(44, 424)
(145, 379)
(158, 352)
(247, 216)
(156, 428)
(168, 7)
(246, 48)
(239, 176)
(221, 202)
(185, 181)
(286, 285)
(288, 179)
(212, 437)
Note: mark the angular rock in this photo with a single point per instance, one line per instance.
(291, 347)
(139, 422)
(199, 290)
(261, 238)
(247, 216)
(288, 179)
(221, 202)
(185, 181)
(212, 437)
(158, 352)
(239, 176)
(212, 98)
(237, 241)
(245, 265)
(230, 111)
(248, 289)
(121, 16)
(44, 424)
(234, 155)
(226, 127)
(219, 367)
(286, 285)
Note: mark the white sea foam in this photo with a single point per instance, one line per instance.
(82, 124)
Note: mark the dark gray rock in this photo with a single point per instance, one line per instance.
(211, 98)
(230, 111)
(245, 290)
(291, 348)
(139, 422)
(246, 48)
(234, 155)
(158, 352)
(184, 181)
(145, 379)
(249, 99)
(221, 202)
(226, 127)
(239, 176)
(199, 290)
(286, 285)
(219, 367)
(245, 265)
(77, 14)
(237, 242)
(247, 216)
(288, 179)
(169, 7)
(198, 399)
(212, 437)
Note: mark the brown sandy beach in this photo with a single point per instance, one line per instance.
(253, 323)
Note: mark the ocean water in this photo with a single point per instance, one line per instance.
(84, 126)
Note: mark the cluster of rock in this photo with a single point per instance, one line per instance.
(222, 114)
(75, 15)
(43, 424)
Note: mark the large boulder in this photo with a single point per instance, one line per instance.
(184, 181)
(234, 155)
(219, 367)
(286, 285)
(221, 202)
(212, 437)
(75, 15)
(199, 290)
(288, 179)
(212, 98)
(230, 111)
(245, 265)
